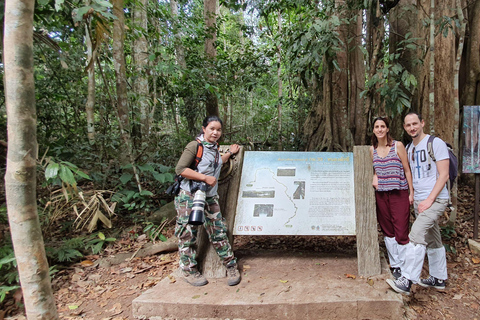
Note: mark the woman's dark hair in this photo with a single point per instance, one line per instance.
(374, 137)
(209, 119)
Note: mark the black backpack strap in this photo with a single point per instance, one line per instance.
(408, 146)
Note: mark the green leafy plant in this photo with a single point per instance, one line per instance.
(96, 242)
(65, 175)
(8, 265)
(132, 200)
(69, 250)
(8, 272)
(4, 290)
(448, 232)
(3, 214)
(154, 232)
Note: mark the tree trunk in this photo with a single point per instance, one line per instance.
(280, 84)
(180, 57)
(431, 94)
(458, 59)
(338, 115)
(210, 13)
(140, 56)
(20, 176)
(121, 84)
(403, 21)
(89, 107)
(356, 80)
(120, 73)
(471, 94)
(375, 34)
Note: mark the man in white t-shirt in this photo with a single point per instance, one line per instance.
(430, 201)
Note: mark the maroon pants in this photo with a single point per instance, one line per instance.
(393, 214)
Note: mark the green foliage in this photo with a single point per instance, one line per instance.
(8, 271)
(96, 242)
(63, 173)
(448, 232)
(3, 214)
(393, 82)
(133, 200)
(68, 251)
(154, 171)
(4, 290)
(156, 177)
(154, 232)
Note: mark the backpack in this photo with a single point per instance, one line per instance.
(453, 163)
(174, 188)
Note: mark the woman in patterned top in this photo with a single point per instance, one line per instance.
(392, 181)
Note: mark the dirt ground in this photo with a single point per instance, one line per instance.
(87, 290)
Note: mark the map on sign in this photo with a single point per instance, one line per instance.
(296, 193)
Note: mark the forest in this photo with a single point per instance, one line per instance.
(104, 95)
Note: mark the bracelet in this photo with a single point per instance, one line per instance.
(231, 153)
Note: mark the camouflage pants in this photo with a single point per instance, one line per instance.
(187, 234)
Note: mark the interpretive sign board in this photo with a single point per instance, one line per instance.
(296, 193)
(471, 130)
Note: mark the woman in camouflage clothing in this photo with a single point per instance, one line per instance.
(207, 171)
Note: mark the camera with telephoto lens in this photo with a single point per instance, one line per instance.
(197, 214)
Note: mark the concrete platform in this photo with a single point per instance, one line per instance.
(278, 285)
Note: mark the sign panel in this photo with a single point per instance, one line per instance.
(296, 193)
(471, 131)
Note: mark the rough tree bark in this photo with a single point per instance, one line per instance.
(121, 84)
(140, 56)
(356, 80)
(89, 106)
(210, 14)
(402, 21)
(337, 107)
(180, 57)
(375, 34)
(471, 94)
(120, 71)
(280, 85)
(20, 176)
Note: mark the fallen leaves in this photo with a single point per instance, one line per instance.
(86, 263)
(351, 276)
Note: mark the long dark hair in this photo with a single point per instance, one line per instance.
(374, 137)
(207, 120)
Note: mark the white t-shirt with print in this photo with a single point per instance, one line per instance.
(424, 169)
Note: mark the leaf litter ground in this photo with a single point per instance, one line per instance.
(91, 290)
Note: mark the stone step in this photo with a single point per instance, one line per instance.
(277, 285)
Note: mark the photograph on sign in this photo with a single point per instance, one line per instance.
(471, 131)
(296, 193)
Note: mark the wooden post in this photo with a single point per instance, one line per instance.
(477, 206)
(229, 185)
(368, 254)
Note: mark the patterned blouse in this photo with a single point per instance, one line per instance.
(389, 170)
